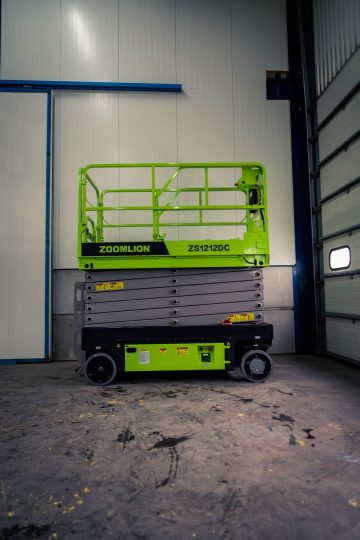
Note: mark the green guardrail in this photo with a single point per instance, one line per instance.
(95, 251)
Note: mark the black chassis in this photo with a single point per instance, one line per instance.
(241, 337)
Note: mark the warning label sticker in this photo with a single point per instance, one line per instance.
(144, 357)
(163, 350)
(183, 350)
(240, 317)
(110, 286)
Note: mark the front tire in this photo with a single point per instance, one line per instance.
(100, 369)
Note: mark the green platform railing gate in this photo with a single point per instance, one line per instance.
(95, 251)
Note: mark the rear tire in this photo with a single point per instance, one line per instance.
(100, 369)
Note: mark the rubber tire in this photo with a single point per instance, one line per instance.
(88, 366)
(245, 368)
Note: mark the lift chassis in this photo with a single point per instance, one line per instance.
(233, 348)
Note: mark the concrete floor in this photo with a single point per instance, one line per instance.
(181, 457)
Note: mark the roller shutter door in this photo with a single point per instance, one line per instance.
(337, 204)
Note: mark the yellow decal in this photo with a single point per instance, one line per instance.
(183, 350)
(163, 350)
(110, 286)
(240, 317)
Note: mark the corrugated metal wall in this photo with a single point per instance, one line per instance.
(337, 36)
(218, 49)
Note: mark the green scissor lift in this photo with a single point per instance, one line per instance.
(175, 198)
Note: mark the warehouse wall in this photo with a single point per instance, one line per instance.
(218, 49)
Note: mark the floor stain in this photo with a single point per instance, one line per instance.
(348, 459)
(170, 394)
(230, 504)
(170, 443)
(308, 432)
(28, 531)
(192, 417)
(90, 452)
(292, 440)
(215, 408)
(284, 418)
(282, 392)
(125, 436)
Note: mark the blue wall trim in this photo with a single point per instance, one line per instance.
(12, 361)
(296, 308)
(47, 86)
(48, 225)
(303, 276)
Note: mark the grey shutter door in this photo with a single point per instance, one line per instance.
(338, 116)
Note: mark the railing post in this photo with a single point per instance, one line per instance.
(100, 219)
(154, 199)
(206, 170)
(81, 210)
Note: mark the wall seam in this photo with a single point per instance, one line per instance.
(176, 78)
(60, 55)
(232, 78)
(176, 102)
(118, 105)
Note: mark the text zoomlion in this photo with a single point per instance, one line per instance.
(144, 248)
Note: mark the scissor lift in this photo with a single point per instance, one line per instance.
(187, 296)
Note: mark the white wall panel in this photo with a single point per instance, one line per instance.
(30, 39)
(343, 337)
(344, 124)
(262, 128)
(86, 131)
(22, 225)
(284, 333)
(278, 285)
(353, 241)
(147, 124)
(63, 290)
(147, 127)
(341, 212)
(342, 295)
(89, 40)
(205, 125)
(147, 41)
(344, 168)
(203, 58)
(345, 81)
(205, 109)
